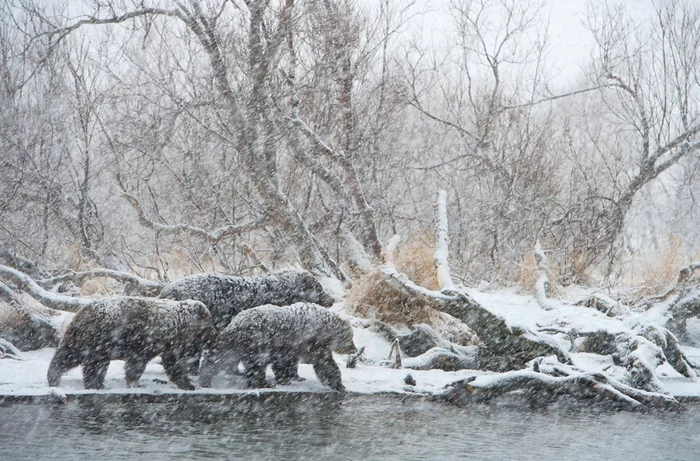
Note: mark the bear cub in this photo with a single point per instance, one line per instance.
(280, 337)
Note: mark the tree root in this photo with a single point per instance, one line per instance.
(540, 388)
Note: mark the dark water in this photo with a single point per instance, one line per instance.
(333, 428)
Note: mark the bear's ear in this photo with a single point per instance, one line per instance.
(200, 310)
(203, 312)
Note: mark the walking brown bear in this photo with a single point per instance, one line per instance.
(135, 330)
(281, 337)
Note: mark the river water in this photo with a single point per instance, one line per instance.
(323, 427)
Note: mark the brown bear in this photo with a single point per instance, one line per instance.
(226, 295)
(281, 337)
(135, 330)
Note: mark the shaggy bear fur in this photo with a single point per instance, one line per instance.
(281, 337)
(135, 330)
(226, 296)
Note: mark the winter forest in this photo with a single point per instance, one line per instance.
(493, 207)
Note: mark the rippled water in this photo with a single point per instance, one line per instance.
(323, 427)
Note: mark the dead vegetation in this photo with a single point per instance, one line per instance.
(371, 298)
(660, 272)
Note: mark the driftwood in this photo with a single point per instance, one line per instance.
(396, 350)
(8, 350)
(27, 324)
(541, 388)
(48, 299)
(512, 347)
(639, 353)
(442, 267)
(420, 339)
(353, 358)
(439, 358)
(604, 304)
(134, 285)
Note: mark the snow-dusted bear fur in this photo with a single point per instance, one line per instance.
(135, 330)
(226, 295)
(281, 337)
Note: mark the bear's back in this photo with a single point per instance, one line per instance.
(289, 324)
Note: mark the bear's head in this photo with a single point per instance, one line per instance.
(201, 325)
(342, 342)
(308, 289)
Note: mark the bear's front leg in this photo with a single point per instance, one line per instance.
(327, 370)
(255, 373)
(63, 360)
(176, 370)
(134, 368)
(94, 372)
(286, 368)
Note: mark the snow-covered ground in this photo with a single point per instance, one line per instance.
(27, 377)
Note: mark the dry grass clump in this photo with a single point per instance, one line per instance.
(415, 258)
(68, 256)
(661, 273)
(371, 298)
(527, 273)
(98, 287)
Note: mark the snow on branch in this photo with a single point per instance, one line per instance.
(213, 236)
(48, 299)
(390, 249)
(542, 279)
(142, 285)
(442, 268)
(356, 252)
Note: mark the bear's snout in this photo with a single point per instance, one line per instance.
(351, 349)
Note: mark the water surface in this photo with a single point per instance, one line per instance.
(324, 427)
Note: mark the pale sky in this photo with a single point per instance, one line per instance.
(569, 41)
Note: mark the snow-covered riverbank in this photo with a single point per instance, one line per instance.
(27, 377)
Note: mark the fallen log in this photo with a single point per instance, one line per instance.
(134, 285)
(513, 346)
(48, 299)
(438, 358)
(27, 324)
(541, 388)
(420, 339)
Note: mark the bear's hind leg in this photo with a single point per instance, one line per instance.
(176, 369)
(94, 372)
(327, 370)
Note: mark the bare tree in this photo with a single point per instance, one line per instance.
(648, 75)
